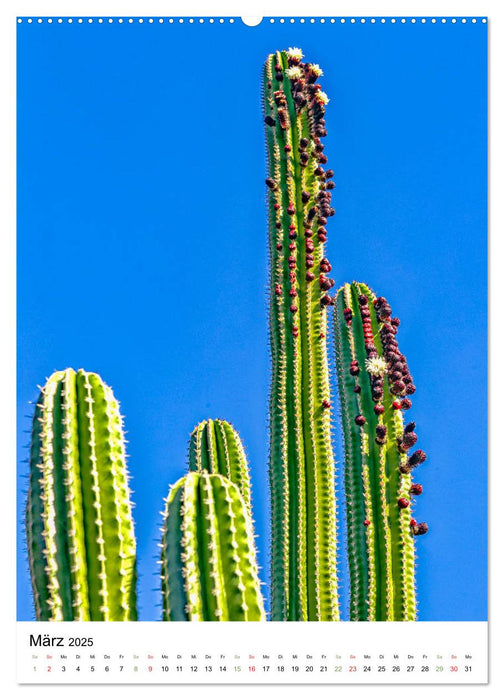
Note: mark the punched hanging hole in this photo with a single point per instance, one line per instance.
(252, 21)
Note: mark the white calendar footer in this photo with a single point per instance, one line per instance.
(252, 652)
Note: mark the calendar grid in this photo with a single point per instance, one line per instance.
(324, 653)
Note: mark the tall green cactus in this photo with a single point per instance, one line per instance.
(208, 560)
(79, 527)
(303, 553)
(374, 387)
(215, 447)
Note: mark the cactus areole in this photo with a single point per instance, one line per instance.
(79, 527)
(303, 551)
(378, 483)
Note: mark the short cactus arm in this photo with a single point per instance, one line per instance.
(208, 561)
(78, 520)
(304, 581)
(374, 382)
(216, 447)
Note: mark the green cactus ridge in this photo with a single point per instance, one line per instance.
(216, 447)
(208, 560)
(374, 388)
(304, 548)
(79, 526)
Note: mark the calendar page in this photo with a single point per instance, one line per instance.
(252, 324)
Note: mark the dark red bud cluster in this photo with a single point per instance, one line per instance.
(354, 368)
(347, 314)
(280, 99)
(326, 300)
(381, 434)
(326, 404)
(398, 373)
(325, 265)
(325, 283)
(416, 489)
(360, 420)
(402, 503)
(282, 118)
(418, 528)
(408, 440)
(418, 457)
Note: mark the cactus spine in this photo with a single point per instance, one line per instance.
(374, 387)
(215, 447)
(208, 560)
(304, 578)
(80, 535)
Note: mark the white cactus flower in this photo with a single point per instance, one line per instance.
(294, 72)
(377, 366)
(321, 97)
(295, 53)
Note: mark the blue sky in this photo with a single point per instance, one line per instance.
(142, 249)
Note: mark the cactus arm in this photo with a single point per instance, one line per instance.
(304, 581)
(368, 360)
(296, 541)
(172, 575)
(278, 471)
(208, 561)
(216, 447)
(79, 525)
(401, 540)
(375, 466)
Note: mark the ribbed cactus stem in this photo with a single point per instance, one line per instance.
(208, 560)
(374, 385)
(215, 446)
(79, 526)
(303, 554)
